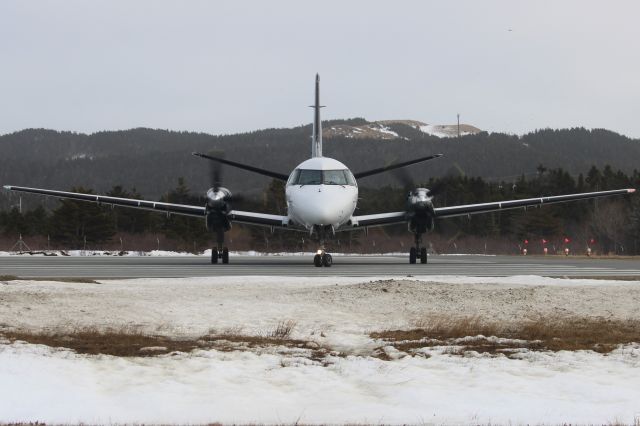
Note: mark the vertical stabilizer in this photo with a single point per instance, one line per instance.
(316, 140)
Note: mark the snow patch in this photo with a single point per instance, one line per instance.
(386, 130)
(80, 156)
(443, 131)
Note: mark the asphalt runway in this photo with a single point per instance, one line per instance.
(365, 266)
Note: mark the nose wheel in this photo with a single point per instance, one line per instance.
(322, 259)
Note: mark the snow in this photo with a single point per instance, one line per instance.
(386, 130)
(57, 386)
(283, 386)
(442, 131)
(81, 156)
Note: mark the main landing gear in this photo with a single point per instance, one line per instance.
(322, 259)
(418, 252)
(220, 253)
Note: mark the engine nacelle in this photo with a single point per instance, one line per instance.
(217, 207)
(218, 199)
(421, 212)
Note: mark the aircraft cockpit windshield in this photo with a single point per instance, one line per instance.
(321, 177)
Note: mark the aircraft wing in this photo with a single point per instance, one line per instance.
(391, 218)
(251, 218)
(379, 219)
(468, 209)
(261, 219)
(181, 209)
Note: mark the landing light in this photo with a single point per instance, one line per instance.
(319, 252)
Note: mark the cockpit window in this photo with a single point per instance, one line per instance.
(334, 177)
(309, 177)
(294, 177)
(350, 178)
(324, 177)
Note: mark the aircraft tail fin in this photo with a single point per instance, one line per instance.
(316, 140)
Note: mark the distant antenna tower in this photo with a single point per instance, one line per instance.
(20, 245)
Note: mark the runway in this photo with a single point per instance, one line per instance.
(274, 265)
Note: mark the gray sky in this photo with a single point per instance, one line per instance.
(230, 66)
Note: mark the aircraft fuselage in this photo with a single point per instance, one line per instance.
(321, 192)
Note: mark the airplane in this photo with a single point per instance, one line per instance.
(321, 196)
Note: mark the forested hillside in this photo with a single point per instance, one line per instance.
(152, 160)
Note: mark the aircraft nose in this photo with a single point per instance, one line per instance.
(324, 211)
(320, 208)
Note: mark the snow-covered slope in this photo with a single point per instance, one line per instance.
(381, 129)
(449, 130)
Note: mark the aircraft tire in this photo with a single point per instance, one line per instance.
(412, 255)
(214, 256)
(327, 260)
(317, 260)
(225, 255)
(423, 255)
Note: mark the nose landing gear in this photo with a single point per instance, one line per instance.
(322, 259)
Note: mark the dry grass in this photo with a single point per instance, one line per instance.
(283, 330)
(120, 342)
(8, 278)
(606, 277)
(131, 341)
(62, 280)
(549, 334)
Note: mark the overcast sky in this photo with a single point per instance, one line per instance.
(230, 66)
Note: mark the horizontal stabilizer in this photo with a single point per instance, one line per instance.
(395, 166)
(253, 169)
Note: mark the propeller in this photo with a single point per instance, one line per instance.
(404, 176)
(218, 197)
(455, 171)
(215, 175)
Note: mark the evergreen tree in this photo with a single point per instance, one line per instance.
(75, 222)
(189, 232)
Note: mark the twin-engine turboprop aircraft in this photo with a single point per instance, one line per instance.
(321, 195)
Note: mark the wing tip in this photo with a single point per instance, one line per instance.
(7, 187)
(629, 191)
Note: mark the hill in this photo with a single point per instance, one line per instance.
(394, 129)
(152, 160)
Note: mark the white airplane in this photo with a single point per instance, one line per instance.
(321, 195)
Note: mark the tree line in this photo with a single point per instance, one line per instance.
(612, 225)
(152, 160)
